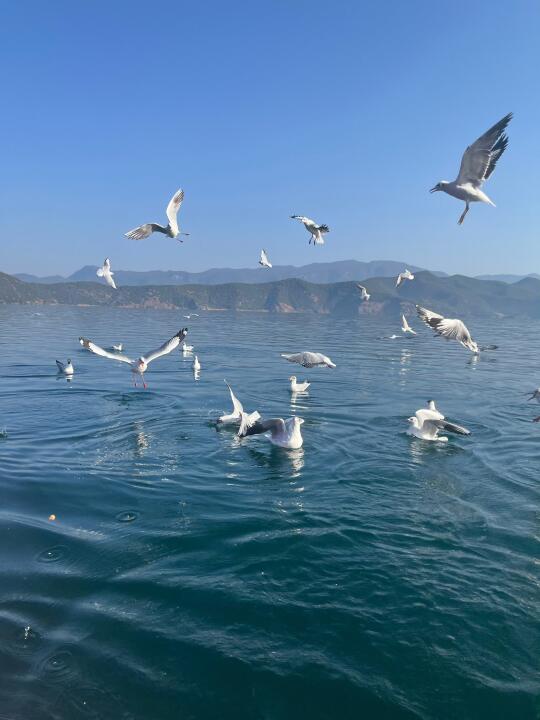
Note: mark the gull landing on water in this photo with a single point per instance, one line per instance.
(106, 273)
(283, 433)
(171, 230)
(405, 275)
(138, 367)
(236, 415)
(427, 423)
(309, 359)
(448, 328)
(296, 386)
(264, 261)
(405, 327)
(477, 164)
(65, 368)
(316, 231)
(364, 295)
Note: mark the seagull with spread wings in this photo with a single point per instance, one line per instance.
(364, 295)
(405, 327)
(264, 261)
(448, 328)
(309, 359)
(314, 229)
(405, 275)
(138, 367)
(106, 273)
(172, 229)
(427, 423)
(477, 164)
(236, 415)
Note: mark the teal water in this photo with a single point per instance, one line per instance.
(190, 575)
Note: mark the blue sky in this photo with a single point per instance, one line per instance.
(347, 112)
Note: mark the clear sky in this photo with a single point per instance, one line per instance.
(347, 112)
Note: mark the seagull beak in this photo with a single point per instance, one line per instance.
(434, 189)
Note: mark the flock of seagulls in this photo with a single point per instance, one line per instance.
(477, 165)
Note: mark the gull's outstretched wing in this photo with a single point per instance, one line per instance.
(97, 350)
(428, 316)
(323, 228)
(173, 207)
(167, 347)
(452, 427)
(480, 158)
(60, 366)
(110, 280)
(144, 231)
(453, 329)
(273, 426)
(237, 405)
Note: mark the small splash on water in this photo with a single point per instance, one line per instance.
(53, 554)
(127, 516)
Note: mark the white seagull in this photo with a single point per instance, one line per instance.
(477, 164)
(364, 295)
(316, 231)
(405, 275)
(105, 272)
(116, 348)
(188, 317)
(65, 368)
(138, 367)
(448, 328)
(426, 424)
(236, 415)
(405, 327)
(172, 229)
(284, 433)
(264, 261)
(187, 349)
(196, 365)
(309, 359)
(298, 386)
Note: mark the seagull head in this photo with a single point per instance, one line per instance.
(412, 420)
(439, 186)
(293, 378)
(298, 421)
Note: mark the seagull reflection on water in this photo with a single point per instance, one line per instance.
(278, 459)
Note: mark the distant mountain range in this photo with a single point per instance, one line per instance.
(330, 272)
(455, 296)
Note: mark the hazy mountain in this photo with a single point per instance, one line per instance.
(339, 271)
(455, 296)
(507, 278)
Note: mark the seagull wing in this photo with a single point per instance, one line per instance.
(428, 316)
(480, 158)
(452, 427)
(274, 426)
(237, 405)
(144, 231)
(167, 347)
(97, 350)
(453, 329)
(399, 279)
(173, 207)
(60, 366)
(110, 281)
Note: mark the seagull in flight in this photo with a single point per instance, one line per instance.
(172, 229)
(364, 295)
(427, 423)
(535, 395)
(236, 415)
(264, 261)
(298, 386)
(405, 327)
(283, 433)
(316, 231)
(105, 272)
(138, 367)
(448, 328)
(309, 359)
(477, 164)
(65, 368)
(405, 275)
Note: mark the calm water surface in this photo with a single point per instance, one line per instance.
(190, 575)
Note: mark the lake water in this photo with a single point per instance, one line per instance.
(190, 575)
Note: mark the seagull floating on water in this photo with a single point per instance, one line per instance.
(316, 231)
(187, 349)
(427, 423)
(264, 261)
(236, 415)
(115, 348)
(196, 365)
(448, 328)
(172, 229)
(477, 164)
(364, 295)
(298, 386)
(105, 272)
(405, 275)
(188, 317)
(65, 368)
(283, 433)
(309, 359)
(138, 367)
(405, 327)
